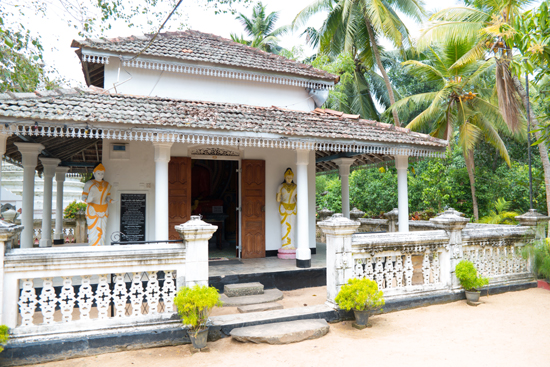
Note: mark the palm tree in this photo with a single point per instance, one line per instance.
(490, 26)
(358, 25)
(261, 27)
(460, 104)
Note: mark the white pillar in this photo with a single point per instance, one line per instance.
(343, 165)
(402, 164)
(303, 253)
(29, 154)
(9, 286)
(49, 164)
(195, 234)
(58, 237)
(3, 142)
(162, 157)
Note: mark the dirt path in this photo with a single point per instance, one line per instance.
(511, 329)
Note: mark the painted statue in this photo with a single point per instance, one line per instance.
(97, 194)
(286, 197)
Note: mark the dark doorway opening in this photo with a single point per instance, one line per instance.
(215, 196)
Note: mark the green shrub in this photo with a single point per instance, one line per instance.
(360, 295)
(74, 207)
(4, 336)
(539, 252)
(194, 305)
(467, 275)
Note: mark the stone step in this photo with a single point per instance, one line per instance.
(282, 332)
(261, 307)
(269, 295)
(243, 289)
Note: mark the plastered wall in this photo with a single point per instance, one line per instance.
(137, 175)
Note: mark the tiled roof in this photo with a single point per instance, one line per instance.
(93, 106)
(204, 47)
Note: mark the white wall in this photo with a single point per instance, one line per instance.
(205, 88)
(136, 175)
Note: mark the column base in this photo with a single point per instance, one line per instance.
(45, 243)
(303, 263)
(60, 241)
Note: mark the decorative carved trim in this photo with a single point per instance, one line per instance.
(215, 152)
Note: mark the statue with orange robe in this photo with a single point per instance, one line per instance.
(97, 194)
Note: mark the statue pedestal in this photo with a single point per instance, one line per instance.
(286, 254)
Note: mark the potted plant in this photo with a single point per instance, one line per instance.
(467, 275)
(362, 296)
(194, 305)
(539, 253)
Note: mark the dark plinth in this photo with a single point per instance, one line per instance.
(59, 242)
(303, 263)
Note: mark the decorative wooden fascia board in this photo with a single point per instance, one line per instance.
(208, 71)
(213, 139)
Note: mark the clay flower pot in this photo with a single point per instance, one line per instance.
(198, 339)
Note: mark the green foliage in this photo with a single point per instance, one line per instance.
(361, 295)
(73, 208)
(4, 336)
(194, 305)
(500, 214)
(539, 252)
(466, 273)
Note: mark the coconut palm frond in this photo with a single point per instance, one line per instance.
(423, 71)
(492, 137)
(312, 9)
(475, 53)
(445, 32)
(460, 13)
(468, 135)
(507, 96)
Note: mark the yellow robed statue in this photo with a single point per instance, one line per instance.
(286, 197)
(97, 194)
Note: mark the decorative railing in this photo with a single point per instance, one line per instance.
(52, 291)
(399, 261)
(422, 262)
(68, 290)
(496, 251)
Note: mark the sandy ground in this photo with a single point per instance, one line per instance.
(511, 329)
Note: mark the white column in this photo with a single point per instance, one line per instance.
(3, 142)
(162, 157)
(58, 237)
(303, 253)
(49, 164)
(402, 163)
(29, 154)
(343, 165)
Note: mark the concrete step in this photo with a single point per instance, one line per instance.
(269, 295)
(243, 289)
(261, 307)
(282, 332)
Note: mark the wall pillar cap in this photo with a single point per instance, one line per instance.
(532, 218)
(450, 219)
(392, 214)
(355, 214)
(325, 213)
(196, 229)
(8, 230)
(338, 224)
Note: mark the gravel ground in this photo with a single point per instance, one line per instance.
(511, 329)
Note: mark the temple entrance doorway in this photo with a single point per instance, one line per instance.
(215, 196)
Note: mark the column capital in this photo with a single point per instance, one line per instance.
(50, 165)
(302, 157)
(60, 172)
(162, 151)
(401, 161)
(29, 152)
(344, 164)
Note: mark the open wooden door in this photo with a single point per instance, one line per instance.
(179, 193)
(253, 208)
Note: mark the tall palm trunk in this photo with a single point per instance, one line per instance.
(542, 146)
(376, 52)
(469, 158)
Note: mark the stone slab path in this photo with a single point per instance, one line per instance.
(282, 332)
(269, 295)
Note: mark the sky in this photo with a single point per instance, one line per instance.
(57, 34)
